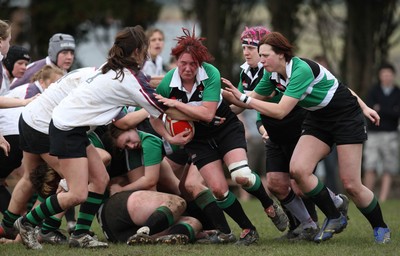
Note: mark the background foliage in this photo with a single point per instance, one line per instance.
(355, 40)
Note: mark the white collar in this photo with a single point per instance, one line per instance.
(177, 82)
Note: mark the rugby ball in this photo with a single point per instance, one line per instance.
(175, 127)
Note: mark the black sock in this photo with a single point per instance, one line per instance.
(213, 213)
(159, 220)
(184, 229)
(258, 191)
(310, 206)
(373, 213)
(5, 198)
(234, 209)
(321, 197)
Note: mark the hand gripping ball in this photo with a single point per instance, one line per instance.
(175, 127)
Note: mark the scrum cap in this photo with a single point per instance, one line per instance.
(14, 54)
(60, 42)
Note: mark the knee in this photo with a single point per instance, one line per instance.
(351, 187)
(241, 174)
(300, 171)
(278, 188)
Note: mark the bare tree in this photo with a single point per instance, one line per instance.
(284, 17)
(370, 25)
(220, 22)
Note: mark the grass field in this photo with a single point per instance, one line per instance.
(356, 239)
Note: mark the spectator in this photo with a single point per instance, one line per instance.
(382, 146)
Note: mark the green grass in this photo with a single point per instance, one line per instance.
(357, 239)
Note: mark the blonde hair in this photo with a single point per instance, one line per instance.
(47, 72)
(5, 29)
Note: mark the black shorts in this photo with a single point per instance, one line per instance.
(204, 151)
(13, 160)
(114, 218)
(341, 121)
(68, 144)
(31, 140)
(179, 156)
(278, 156)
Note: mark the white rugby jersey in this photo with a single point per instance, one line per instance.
(9, 117)
(37, 114)
(101, 98)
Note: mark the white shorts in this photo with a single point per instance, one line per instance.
(382, 149)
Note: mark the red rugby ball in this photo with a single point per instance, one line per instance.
(175, 127)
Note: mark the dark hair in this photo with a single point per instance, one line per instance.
(387, 65)
(119, 56)
(45, 179)
(192, 45)
(110, 137)
(279, 44)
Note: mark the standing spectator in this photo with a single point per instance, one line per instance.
(15, 65)
(153, 67)
(154, 62)
(61, 53)
(382, 146)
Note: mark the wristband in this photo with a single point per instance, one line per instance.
(245, 99)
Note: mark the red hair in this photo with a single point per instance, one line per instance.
(188, 43)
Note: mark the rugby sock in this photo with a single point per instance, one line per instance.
(310, 206)
(259, 192)
(373, 214)
(51, 223)
(40, 199)
(193, 210)
(9, 218)
(87, 212)
(70, 214)
(32, 201)
(184, 229)
(207, 203)
(297, 208)
(48, 208)
(234, 209)
(321, 197)
(161, 219)
(5, 198)
(293, 222)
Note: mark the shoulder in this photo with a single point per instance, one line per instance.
(209, 68)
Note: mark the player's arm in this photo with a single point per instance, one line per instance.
(131, 119)
(370, 113)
